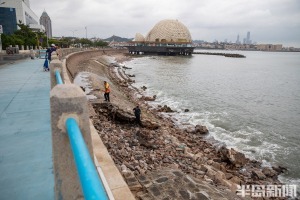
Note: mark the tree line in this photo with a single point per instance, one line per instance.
(25, 36)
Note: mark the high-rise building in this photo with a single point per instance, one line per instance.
(248, 41)
(14, 11)
(46, 22)
(238, 39)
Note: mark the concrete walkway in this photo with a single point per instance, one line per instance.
(26, 170)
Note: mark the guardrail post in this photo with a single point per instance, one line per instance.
(67, 100)
(54, 56)
(55, 65)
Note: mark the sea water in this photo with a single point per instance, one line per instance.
(251, 104)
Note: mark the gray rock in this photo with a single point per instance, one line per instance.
(269, 172)
(202, 195)
(200, 129)
(256, 174)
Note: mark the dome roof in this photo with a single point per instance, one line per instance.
(169, 31)
(139, 38)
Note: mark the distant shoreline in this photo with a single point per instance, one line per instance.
(241, 50)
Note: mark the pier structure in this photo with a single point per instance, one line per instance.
(167, 37)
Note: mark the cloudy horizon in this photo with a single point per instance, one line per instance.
(269, 21)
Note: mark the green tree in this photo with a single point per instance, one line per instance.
(100, 43)
(24, 36)
(30, 38)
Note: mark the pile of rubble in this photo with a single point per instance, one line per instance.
(141, 150)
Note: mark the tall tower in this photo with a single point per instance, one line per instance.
(46, 22)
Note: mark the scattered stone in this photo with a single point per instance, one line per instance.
(166, 109)
(161, 179)
(228, 176)
(258, 175)
(279, 169)
(144, 88)
(236, 180)
(148, 98)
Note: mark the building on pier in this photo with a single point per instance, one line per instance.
(167, 37)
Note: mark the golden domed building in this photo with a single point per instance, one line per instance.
(167, 37)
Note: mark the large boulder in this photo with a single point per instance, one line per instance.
(200, 129)
(150, 125)
(232, 156)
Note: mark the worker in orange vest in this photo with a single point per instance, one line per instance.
(106, 91)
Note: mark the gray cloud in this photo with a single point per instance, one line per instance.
(269, 21)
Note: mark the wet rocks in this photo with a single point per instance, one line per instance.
(165, 108)
(258, 175)
(144, 88)
(131, 75)
(124, 67)
(148, 98)
(269, 172)
(186, 110)
(279, 169)
(114, 65)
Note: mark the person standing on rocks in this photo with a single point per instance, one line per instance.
(106, 91)
(137, 113)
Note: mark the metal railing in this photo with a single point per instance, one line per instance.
(58, 77)
(92, 186)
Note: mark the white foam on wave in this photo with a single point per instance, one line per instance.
(239, 139)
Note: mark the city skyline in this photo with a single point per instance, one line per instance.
(270, 21)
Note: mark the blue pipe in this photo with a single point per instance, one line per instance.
(58, 77)
(91, 184)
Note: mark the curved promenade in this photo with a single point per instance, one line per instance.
(25, 132)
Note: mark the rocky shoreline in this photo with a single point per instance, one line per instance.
(159, 157)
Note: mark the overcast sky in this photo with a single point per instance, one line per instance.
(269, 21)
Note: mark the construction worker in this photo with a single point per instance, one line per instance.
(106, 91)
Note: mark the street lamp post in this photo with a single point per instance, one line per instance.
(73, 37)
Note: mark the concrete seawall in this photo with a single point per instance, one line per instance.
(104, 163)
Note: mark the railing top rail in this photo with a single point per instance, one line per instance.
(58, 77)
(91, 184)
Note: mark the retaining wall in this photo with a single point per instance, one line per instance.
(66, 178)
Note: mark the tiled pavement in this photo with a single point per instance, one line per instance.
(25, 132)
